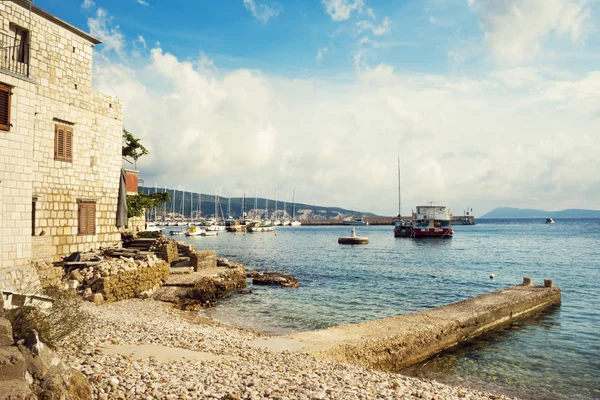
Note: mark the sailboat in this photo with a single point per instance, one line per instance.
(402, 228)
(215, 227)
(294, 222)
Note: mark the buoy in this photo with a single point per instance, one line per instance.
(353, 239)
(492, 276)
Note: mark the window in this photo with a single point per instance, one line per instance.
(63, 143)
(21, 48)
(86, 218)
(4, 107)
(33, 207)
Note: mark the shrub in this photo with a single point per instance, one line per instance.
(64, 319)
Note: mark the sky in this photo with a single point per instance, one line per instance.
(487, 103)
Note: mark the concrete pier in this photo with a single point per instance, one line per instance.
(397, 342)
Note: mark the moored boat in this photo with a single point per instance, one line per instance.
(194, 231)
(256, 226)
(354, 221)
(432, 221)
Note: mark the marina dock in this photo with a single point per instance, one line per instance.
(397, 342)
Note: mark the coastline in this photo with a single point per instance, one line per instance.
(227, 366)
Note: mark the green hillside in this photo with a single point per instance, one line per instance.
(207, 207)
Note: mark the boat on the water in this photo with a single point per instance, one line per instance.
(153, 227)
(177, 232)
(194, 231)
(355, 221)
(256, 226)
(209, 233)
(432, 221)
(549, 221)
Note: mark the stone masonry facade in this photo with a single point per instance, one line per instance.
(39, 195)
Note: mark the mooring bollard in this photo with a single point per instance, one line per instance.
(547, 282)
(526, 281)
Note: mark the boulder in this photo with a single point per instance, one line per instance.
(39, 364)
(16, 389)
(62, 382)
(12, 364)
(273, 278)
(6, 335)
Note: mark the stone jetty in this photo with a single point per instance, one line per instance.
(397, 342)
(144, 349)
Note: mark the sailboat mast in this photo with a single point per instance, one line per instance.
(399, 192)
(216, 194)
(294, 204)
(191, 205)
(183, 203)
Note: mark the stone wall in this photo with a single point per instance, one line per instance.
(131, 284)
(20, 279)
(203, 259)
(57, 91)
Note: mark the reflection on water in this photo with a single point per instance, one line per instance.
(490, 363)
(556, 356)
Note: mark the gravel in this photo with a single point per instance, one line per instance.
(247, 372)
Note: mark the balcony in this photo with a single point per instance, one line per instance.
(14, 54)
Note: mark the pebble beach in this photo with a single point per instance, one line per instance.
(145, 349)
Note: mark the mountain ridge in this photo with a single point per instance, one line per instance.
(512, 212)
(303, 211)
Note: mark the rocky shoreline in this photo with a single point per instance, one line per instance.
(132, 347)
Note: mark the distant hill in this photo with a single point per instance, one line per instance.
(207, 207)
(509, 212)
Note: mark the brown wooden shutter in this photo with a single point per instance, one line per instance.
(91, 221)
(68, 143)
(4, 107)
(87, 218)
(63, 143)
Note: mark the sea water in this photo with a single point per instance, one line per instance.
(555, 355)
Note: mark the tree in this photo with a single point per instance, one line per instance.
(139, 203)
(132, 147)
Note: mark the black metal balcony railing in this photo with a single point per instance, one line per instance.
(14, 54)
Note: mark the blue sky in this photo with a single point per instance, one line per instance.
(419, 37)
(488, 102)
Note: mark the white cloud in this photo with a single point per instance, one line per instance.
(514, 29)
(377, 30)
(101, 27)
(340, 10)
(142, 2)
(320, 53)
(142, 41)
(263, 12)
(517, 137)
(87, 4)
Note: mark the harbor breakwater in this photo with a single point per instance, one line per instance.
(397, 342)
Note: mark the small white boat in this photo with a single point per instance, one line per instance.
(295, 223)
(549, 221)
(194, 231)
(354, 221)
(215, 228)
(209, 233)
(177, 232)
(152, 227)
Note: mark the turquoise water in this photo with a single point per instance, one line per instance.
(556, 355)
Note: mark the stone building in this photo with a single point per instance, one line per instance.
(60, 144)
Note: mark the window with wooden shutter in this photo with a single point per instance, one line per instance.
(63, 143)
(4, 107)
(86, 219)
